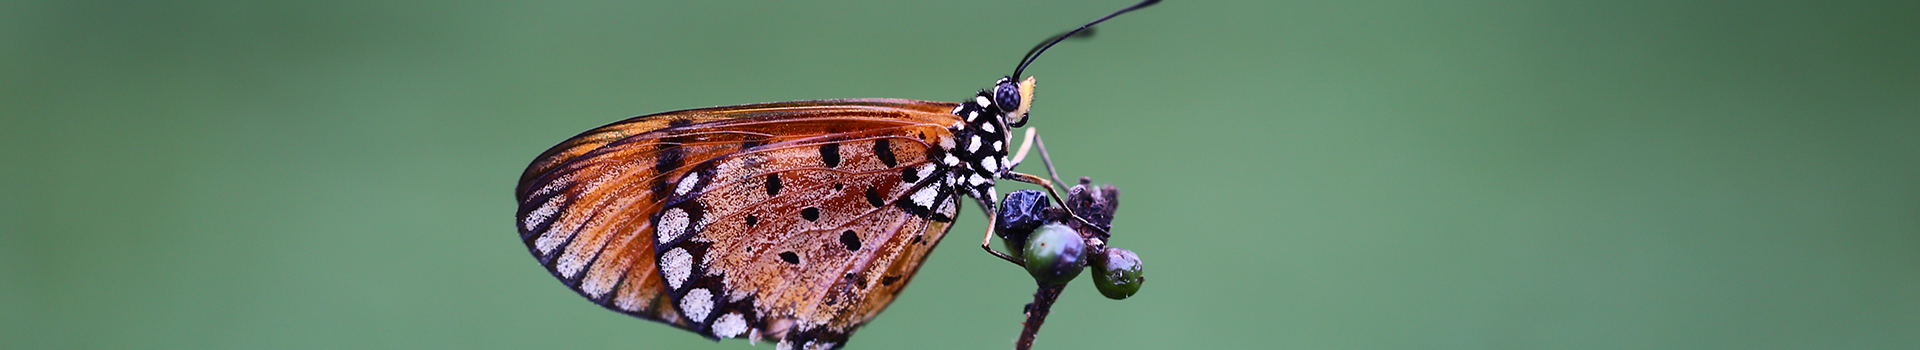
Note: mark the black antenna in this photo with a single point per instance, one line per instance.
(1035, 52)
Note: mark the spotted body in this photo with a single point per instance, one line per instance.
(794, 222)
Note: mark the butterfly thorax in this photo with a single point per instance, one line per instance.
(979, 155)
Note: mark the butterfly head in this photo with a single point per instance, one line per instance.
(1014, 99)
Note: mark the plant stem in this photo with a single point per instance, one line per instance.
(1037, 313)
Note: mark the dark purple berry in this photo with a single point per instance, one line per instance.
(1020, 213)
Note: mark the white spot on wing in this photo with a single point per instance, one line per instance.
(556, 185)
(556, 235)
(991, 165)
(540, 215)
(976, 179)
(946, 142)
(925, 170)
(924, 197)
(697, 303)
(957, 109)
(996, 146)
(818, 346)
(686, 184)
(548, 240)
(982, 101)
(971, 115)
(730, 325)
(570, 264)
(988, 127)
(678, 265)
(951, 160)
(975, 145)
(673, 224)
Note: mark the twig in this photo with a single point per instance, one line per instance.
(1037, 313)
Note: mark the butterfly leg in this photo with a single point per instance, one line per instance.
(1033, 142)
(986, 242)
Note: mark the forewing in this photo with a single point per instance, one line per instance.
(588, 206)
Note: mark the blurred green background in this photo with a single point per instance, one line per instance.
(1297, 175)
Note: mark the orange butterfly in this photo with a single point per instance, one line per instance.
(791, 221)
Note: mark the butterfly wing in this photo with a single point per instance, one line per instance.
(794, 221)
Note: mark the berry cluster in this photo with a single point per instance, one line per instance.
(1056, 245)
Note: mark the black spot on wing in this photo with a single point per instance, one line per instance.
(830, 154)
(670, 157)
(790, 258)
(873, 197)
(909, 175)
(888, 280)
(810, 213)
(773, 185)
(884, 150)
(850, 240)
(752, 220)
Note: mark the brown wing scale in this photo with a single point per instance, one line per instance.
(794, 221)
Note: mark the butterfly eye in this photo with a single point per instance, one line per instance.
(1007, 96)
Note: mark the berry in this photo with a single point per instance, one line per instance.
(1119, 274)
(1019, 214)
(1055, 254)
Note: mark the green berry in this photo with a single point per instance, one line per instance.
(1055, 254)
(1119, 274)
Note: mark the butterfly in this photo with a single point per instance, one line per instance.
(794, 222)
